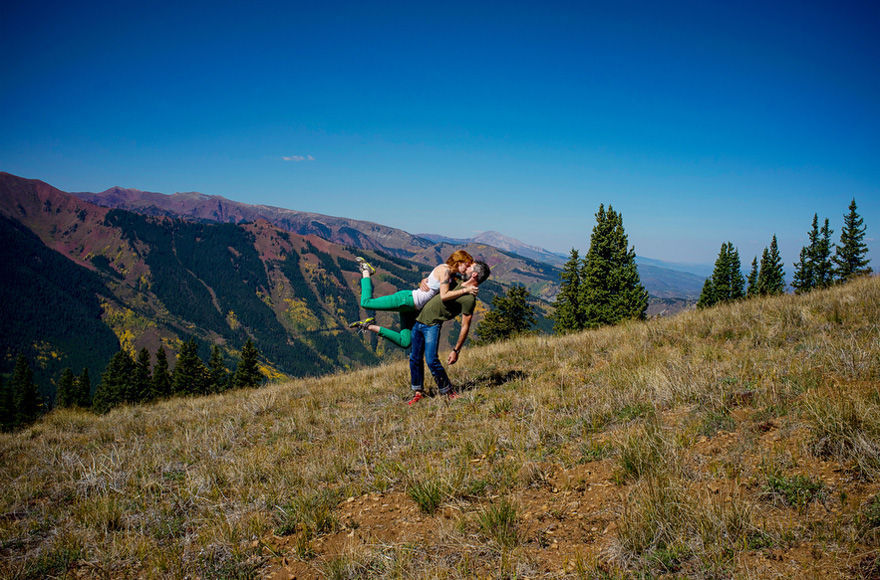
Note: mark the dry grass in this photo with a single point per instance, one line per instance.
(641, 449)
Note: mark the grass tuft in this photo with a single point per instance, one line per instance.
(428, 494)
(498, 523)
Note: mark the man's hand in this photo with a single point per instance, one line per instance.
(423, 285)
(453, 356)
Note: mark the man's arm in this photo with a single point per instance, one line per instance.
(462, 336)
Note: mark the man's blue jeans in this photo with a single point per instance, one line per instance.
(425, 343)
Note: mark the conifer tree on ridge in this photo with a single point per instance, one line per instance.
(25, 399)
(567, 317)
(610, 289)
(248, 374)
(727, 282)
(850, 258)
(771, 276)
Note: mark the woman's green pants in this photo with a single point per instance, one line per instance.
(399, 302)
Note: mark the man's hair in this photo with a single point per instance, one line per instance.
(482, 271)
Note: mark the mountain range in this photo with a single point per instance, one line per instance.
(86, 273)
(513, 261)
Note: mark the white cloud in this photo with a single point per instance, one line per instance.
(298, 158)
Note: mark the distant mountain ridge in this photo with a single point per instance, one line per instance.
(538, 271)
(199, 206)
(506, 243)
(541, 278)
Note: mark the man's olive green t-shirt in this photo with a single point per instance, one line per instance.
(437, 312)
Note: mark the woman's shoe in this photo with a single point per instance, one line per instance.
(366, 267)
(362, 325)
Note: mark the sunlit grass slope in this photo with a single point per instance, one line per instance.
(741, 441)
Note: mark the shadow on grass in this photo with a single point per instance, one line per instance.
(492, 380)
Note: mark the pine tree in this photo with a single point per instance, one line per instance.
(25, 399)
(161, 386)
(752, 288)
(7, 406)
(567, 317)
(610, 289)
(720, 280)
(510, 315)
(823, 268)
(850, 258)
(771, 276)
(65, 396)
(804, 277)
(143, 379)
(84, 389)
(117, 384)
(736, 282)
(248, 374)
(218, 375)
(727, 282)
(190, 374)
(707, 295)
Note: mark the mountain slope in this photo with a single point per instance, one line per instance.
(741, 441)
(51, 308)
(144, 281)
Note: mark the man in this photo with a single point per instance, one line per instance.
(426, 334)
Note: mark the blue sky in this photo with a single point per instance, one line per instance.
(701, 122)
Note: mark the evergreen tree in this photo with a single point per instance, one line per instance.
(116, 384)
(804, 277)
(720, 281)
(771, 276)
(823, 268)
(84, 389)
(161, 386)
(752, 289)
(142, 383)
(727, 282)
(7, 406)
(814, 268)
(567, 317)
(65, 396)
(25, 399)
(248, 374)
(610, 289)
(707, 295)
(850, 258)
(218, 375)
(190, 375)
(736, 282)
(510, 315)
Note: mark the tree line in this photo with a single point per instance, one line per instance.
(820, 264)
(127, 380)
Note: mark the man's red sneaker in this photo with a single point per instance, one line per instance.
(416, 398)
(452, 395)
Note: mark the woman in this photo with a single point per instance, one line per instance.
(408, 302)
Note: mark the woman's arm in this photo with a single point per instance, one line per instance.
(445, 292)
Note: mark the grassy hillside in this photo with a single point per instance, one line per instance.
(741, 441)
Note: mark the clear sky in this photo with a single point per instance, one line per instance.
(701, 122)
